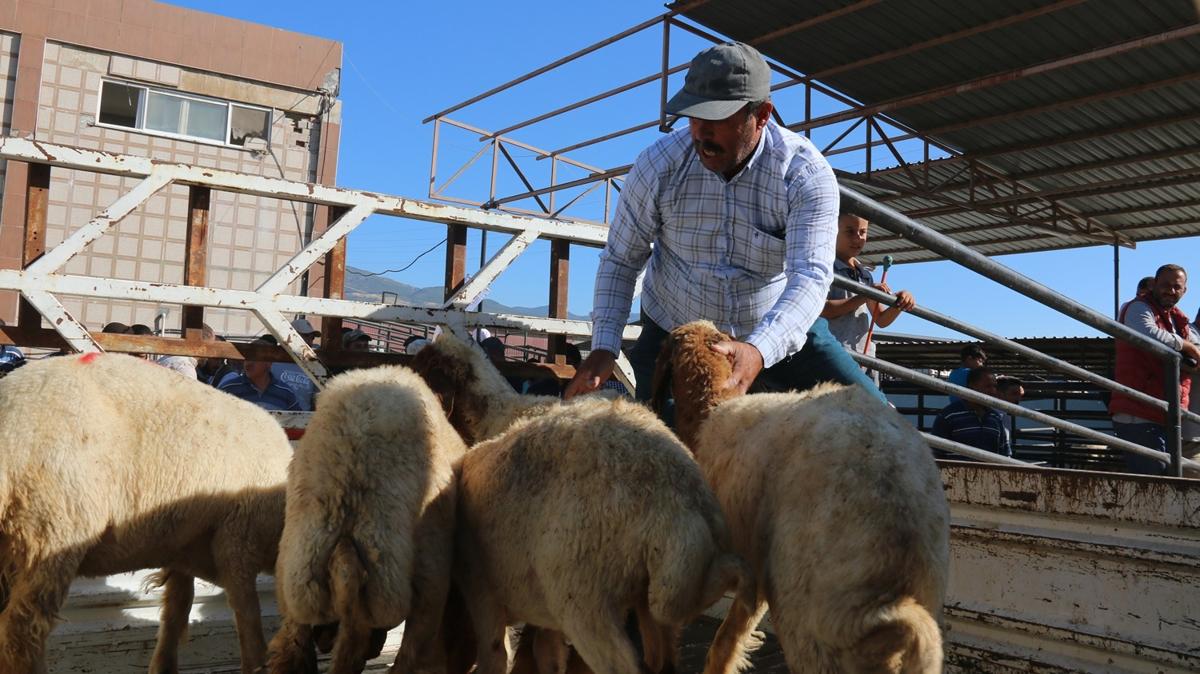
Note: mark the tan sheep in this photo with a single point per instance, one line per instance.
(574, 515)
(478, 400)
(368, 536)
(111, 464)
(834, 501)
(480, 404)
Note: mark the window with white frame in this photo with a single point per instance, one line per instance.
(175, 114)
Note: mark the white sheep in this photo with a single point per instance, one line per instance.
(111, 464)
(572, 515)
(368, 535)
(835, 502)
(573, 518)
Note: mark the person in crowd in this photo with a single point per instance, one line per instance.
(118, 328)
(970, 357)
(186, 365)
(10, 356)
(292, 375)
(143, 330)
(496, 351)
(734, 219)
(972, 423)
(213, 371)
(1144, 286)
(850, 315)
(1010, 390)
(356, 340)
(1157, 316)
(256, 384)
(414, 344)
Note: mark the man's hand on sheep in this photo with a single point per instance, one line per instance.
(746, 360)
(591, 373)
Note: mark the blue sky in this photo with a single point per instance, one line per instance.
(404, 61)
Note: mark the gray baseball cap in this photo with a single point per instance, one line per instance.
(721, 80)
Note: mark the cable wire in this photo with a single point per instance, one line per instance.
(397, 271)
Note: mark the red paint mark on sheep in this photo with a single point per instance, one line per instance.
(88, 357)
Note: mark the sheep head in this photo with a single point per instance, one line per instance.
(692, 373)
(459, 375)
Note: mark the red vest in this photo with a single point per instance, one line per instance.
(1146, 372)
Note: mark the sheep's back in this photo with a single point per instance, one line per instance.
(109, 437)
(847, 489)
(377, 451)
(585, 492)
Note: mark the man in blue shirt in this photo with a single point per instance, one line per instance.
(10, 356)
(734, 220)
(974, 424)
(292, 375)
(257, 385)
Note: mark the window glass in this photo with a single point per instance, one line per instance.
(206, 119)
(249, 123)
(119, 104)
(164, 113)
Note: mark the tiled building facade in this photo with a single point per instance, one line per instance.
(243, 97)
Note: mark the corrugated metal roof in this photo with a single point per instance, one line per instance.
(1088, 109)
(1095, 354)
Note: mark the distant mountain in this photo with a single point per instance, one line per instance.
(371, 288)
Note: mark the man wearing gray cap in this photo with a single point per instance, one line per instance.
(742, 215)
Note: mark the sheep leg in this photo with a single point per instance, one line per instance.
(601, 640)
(292, 650)
(735, 639)
(34, 600)
(493, 652)
(178, 592)
(350, 649)
(659, 643)
(242, 596)
(421, 647)
(550, 650)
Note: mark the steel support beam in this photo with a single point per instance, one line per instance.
(37, 198)
(195, 260)
(560, 266)
(488, 273)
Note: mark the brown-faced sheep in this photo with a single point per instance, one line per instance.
(834, 501)
(573, 518)
(369, 531)
(110, 464)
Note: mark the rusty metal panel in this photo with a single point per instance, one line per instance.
(1071, 571)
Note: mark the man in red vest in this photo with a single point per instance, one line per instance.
(1157, 316)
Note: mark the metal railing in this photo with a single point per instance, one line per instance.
(898, 223)
(42, 280)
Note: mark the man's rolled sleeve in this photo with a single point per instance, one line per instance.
(811, 236)
(634, 226)
(1140, 317)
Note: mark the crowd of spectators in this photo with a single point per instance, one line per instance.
(973, 423)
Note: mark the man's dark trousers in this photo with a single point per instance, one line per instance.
(821, 359)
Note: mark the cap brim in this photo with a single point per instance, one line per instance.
(684, 104)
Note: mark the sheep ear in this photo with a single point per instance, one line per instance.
(663, 372)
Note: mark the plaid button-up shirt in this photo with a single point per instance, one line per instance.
(754, 255)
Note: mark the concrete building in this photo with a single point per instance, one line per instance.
(145, 78)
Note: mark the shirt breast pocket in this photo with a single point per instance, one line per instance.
(759, 252)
